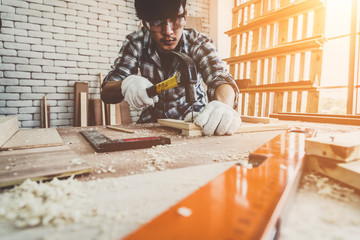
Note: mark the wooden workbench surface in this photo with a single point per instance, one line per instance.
(129, 188)
(182, 152)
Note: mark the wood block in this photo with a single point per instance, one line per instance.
(8, 127)
(78, 87)
(258, 119)
(348, 173)
(33, 138)
(343, 147)
(179, 124)
(39, 164)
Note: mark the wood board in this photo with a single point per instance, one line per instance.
(83, 109)
(33, 138)
(78, 88)
(8, 127)
(342, 147)
(192, 130)
(253, 119)
(348, 173)
(39, 164)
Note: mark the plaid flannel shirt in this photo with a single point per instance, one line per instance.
(139, 53)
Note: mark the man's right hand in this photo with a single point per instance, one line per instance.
(133, 89)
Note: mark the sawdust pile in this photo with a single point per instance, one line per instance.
(323, 209)
(49, 204)
(327, 187)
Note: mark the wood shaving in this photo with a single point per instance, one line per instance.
(32, 204)
(184, 211)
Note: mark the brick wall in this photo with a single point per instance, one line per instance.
(48, 45)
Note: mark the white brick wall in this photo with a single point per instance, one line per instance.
(46, 46)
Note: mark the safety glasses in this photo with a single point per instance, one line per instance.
(175, 23)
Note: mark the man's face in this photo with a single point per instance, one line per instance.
(166, 33)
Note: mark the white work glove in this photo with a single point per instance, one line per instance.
(133, 89)
(218, 118)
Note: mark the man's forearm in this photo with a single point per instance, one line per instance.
(225, 94)
(111, 92)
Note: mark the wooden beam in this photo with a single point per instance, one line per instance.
(103, 119)
(276, 15)
(341, 147)
(319, 119)
(287, 48)
(323, 115)
(8, 127)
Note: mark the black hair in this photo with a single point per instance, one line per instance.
(148, 10)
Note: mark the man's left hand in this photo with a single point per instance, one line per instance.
(218, 118)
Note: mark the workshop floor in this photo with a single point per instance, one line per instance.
(110, 205)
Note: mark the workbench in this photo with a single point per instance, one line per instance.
(129, 188)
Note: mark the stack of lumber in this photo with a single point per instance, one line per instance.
(36, 154)
(336, 156)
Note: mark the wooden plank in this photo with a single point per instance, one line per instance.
(44, 113)
(342, 147)
(251, 104)
(33, 138)
(348, 173)
(292, 9)
(278, 102)
(250, 119)
(103, 119)
(319, 119)
(267, 104)
(8, 127)
(285, 86)
(97, 114)
(83, 109)
(178, 124)
(260, 105)
(324, 115)
(125, 113)
(298, 101)
(294, 47)
(243, 98)
(42, 164)
(191, 129)
(112, 114)
(312, 102)
(289, 102)
(78, 88)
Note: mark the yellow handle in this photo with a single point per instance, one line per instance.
(168, 84)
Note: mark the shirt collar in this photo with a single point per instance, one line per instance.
(152, 51)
